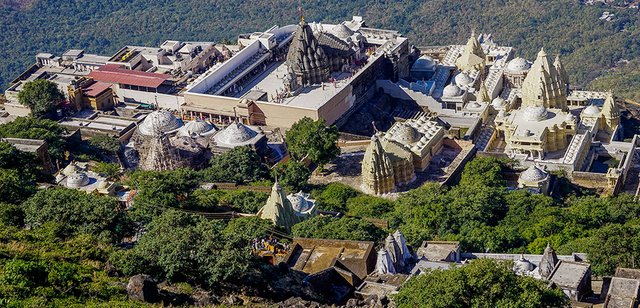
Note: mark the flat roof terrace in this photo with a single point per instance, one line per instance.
(271, 82)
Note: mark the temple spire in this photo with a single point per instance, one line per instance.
(548, 261)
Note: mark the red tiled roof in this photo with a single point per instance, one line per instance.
(112, 73)
(96, 88)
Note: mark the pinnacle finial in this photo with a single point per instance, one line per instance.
(542, 53)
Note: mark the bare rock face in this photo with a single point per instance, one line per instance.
(143, 288)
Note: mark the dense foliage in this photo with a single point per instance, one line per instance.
(312, 140)
(239, 165)
(482, 283)
(338, 229)
(293, 175)
(41, 95)
(33, 128)
(54, 26)
(180, 246)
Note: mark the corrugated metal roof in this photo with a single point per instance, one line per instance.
(112, 73)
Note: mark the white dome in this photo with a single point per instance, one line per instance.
(158, 122)
(464, 80)
(406, 134)
(195, 128)
(424, 63)
(570, 118)
(235, 134)
(533, 174)
(591, 110)
(535, 113)
(451, 91)
(474, 105)
(300, 202)
(523, 265)
(518, 65)
(77, 180)
(498, 102)
(501, 113)
(71, 169)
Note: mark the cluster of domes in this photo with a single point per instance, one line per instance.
(301, 203)
(535, 113)
(159, 122)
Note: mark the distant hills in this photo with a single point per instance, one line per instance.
(590, 46)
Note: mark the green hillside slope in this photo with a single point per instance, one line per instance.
(102, 26)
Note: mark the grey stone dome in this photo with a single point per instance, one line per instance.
(195, 128)
(534, 174)
(77, 180)
(424, 63)
(406, 134)
(463, 80)
(535, 113)
(158, 122)
(518, 65)
(451, 90)
(591, 110)
(235, 133)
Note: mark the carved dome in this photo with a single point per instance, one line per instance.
(406, 134)
(591, 110)
(234, 134)
(535, 113)
(77, 180)
(424, 63)
(518, 65)
(159, 121)
(533, 174)
(523, 265)
(300, 202)
(498, 102)
(463, 80)
(451, 90)
(195, 128)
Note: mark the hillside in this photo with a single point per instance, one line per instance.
(591, 46)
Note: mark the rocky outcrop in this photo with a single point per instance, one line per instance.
(143, 288)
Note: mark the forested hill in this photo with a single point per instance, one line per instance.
(591, 46)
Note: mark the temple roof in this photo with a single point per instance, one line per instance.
(305, 53)
(543, 83)
(278, 209)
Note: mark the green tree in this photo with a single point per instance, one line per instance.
(41, 95)
(334, 196)
(482, 283)
(293, 175)
(33, 128)
(239, 165)
(78, 211)
(158, 190)
(110, 170)
(369, 206)
(313, 140)
(106, 144)
(345, 228)
(180, 246)
(11, 215)
(14, 186)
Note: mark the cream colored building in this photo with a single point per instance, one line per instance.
(393, 157)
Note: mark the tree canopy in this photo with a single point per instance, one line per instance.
(41, 95)
(239, 165)
(313, 140)
(33, 128)
(482, 283)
